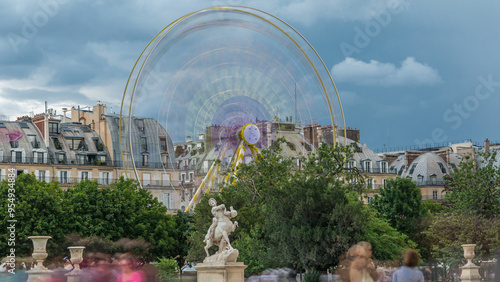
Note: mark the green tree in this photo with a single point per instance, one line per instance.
(183, 227)
(288, 216)
(474, 215)
(39, 210)
(400, 202)
(123, 210)
(473, 188)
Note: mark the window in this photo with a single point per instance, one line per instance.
(14, 144)
(63, 177)
(412, 169)
(433, 179)
(383, 167)
(85, 175)
(369, 199)
(76, 144)
(2, 125)
(420, 180)
(146, 179)
(434, 195)
(351, 164)
(41, 175)
(367, 166)
(39, 158)
(53, 128)
(144, 144)
(191, 176)
(183, 177)
(102, 159)
(167, 199)
(165, 179)
(384, 182)
(81, 159)
(24, 125)
(140, 125)
(163, 143)
(145, 160)
(401, 170)
(17, 157)
(105, 178)
(369, 183)
(34, 142)
(164, 159)
(57, 144)
(441, 166)
(61, 157)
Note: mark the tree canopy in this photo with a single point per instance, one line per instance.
(106, 214)
(400, 202)
(301, 217)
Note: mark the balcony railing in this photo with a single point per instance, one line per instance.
(430, 183)
(433, 197)
(374, 170)
(108, 181)
(56, 161)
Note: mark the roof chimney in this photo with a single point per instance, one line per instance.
(486, 145)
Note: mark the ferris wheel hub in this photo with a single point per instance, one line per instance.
(250, 133)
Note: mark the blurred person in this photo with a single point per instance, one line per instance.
(128, 273)
(371, 267)
(409, 271)
(427, 274)
(359, 265)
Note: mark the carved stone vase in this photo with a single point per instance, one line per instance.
(470, 271)
(469, 253)
(76, 258)
(39, 251)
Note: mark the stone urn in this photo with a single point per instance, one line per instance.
(469, 253)
(39, 251)
(76, 258)
(470, 271)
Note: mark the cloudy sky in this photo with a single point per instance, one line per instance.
(408, 72)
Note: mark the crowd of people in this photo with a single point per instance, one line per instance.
(96, 267)
(358, 266)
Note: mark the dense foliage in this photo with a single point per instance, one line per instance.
(474, 216)
(300, 217)
(400, 202)
(107, 216)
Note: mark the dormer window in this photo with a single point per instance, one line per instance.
(367, 166)
(412, 169)
(140, 126)
(433, 179)
(401, 170)
(351, 164)
(420, 180)
(383, 167)
(441, 166)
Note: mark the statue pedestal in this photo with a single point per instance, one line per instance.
(38, 275)
(470, 273)
(217, 272)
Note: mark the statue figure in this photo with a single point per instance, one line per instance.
(219, 231)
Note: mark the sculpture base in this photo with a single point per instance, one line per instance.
(38, 275)
(470, 274)
(214, 272)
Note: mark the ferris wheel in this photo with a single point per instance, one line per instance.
(236, 77)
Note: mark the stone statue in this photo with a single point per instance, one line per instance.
(218, 234)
